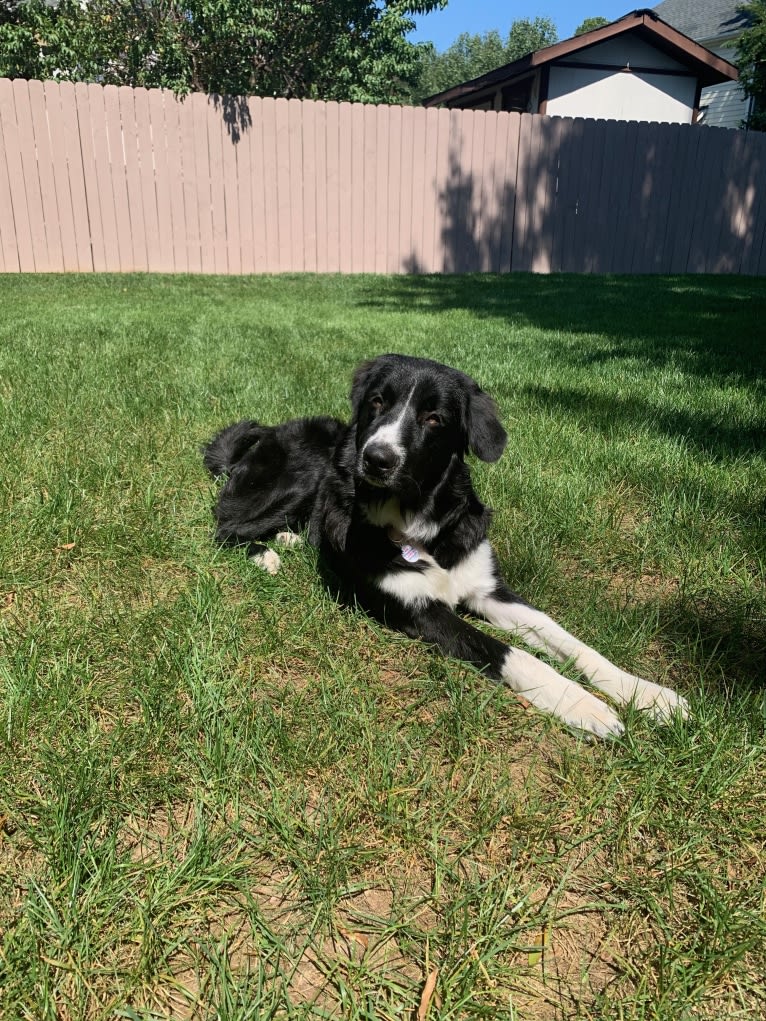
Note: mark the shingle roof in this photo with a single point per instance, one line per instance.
(704, 19)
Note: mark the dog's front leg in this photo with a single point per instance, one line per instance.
(537, 682)
(541, 632)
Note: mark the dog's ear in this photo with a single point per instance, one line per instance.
(361, 380)
(331, 516)
(486, 436)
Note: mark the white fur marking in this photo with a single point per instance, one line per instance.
(552, 693)
(288, 539)
(539, 631)
(418, 528)
(416, 587)
(269, 561)
(390, 434)
(413, 527)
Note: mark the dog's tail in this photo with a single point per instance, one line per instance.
(230, 445)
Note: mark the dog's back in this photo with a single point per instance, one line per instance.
(273, 474)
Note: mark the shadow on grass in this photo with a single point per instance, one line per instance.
(708, 432)
(710, 326)
(722, 637)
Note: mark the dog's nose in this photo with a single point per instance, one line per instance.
(380, 459)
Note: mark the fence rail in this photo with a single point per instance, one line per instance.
(97, 178)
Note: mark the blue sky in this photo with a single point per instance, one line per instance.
(443, 27)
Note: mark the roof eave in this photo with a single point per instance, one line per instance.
(710, 68)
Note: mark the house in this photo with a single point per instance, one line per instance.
(636, 68)
(717, 25)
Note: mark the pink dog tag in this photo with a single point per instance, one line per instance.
(410, 555)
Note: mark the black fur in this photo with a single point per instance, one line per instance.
(273, 474)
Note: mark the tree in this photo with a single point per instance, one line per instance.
(473, 55)
(590, 23)
(526, 36)
(328, 49)
(751, 59)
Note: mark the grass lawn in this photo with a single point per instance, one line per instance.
(222, 796)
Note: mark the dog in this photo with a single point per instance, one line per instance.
(388, 501)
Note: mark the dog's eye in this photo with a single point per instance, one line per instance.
(376, 402)
(431, 418)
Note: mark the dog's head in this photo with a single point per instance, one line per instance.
(413, 416)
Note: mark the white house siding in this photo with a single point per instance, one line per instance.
(605, 95)
(724, 106)
(626, 51)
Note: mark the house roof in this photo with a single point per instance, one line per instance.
(644, 24)
(705, 21)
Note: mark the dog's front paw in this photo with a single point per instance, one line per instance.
(625, 689)
(546, 689)
(268, 561)
(288, 539)
(592, 716)
(661, 703)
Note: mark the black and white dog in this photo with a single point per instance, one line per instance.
(389, 502)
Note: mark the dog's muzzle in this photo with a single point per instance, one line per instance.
(379, 462)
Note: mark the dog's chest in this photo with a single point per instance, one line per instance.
(473, 575)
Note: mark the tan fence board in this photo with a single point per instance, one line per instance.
(356, 195)
(311, 161)
(331, 187)
(70, 257)
(145, 166)
(243, 197)
(253, 184)
(166, 117)
(563, 200)
(407, 263)
(295, 208)
(193, 234)
(73, 153)
(382, 115)
(215, 147)
(34, 202)
(418, 188)
(53, 256)
(523, 172)
(113, 223)
(510, 191)
(9, 240)
(270, 183)
(393, 161)
(138, 225)
(751, 223)
(202, 180)
(16, 153)
(82, 103)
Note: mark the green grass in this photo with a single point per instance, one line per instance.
(222, 796)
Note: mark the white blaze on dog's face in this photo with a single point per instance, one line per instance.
(413, 416)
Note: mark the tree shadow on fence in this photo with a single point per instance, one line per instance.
(236, 114)
(474, 225)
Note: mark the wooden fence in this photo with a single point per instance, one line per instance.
(99, 178)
